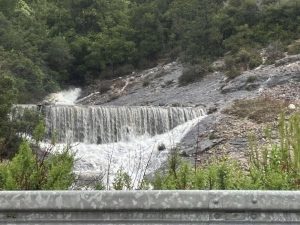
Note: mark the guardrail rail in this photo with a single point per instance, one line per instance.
(150, 207)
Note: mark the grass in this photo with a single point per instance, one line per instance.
(275, 166)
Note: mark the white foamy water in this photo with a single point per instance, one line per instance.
(106, 139)
(138, 156)
(67, 97)
(110, 124)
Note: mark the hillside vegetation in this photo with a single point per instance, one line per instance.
(47, 45)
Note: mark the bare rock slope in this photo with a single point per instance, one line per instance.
(221, 131)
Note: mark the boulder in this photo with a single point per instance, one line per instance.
(161, 147)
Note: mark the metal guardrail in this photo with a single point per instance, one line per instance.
(150, 207)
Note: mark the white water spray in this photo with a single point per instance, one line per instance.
(68, 97)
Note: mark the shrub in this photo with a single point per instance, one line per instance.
(8, 95)
(122, 181)
(146, 83)
(232, 73)
(251, 79)
(294, 48)
(102, 86)
(193, 73)
(27, 172)
(220, 174)
(124, 70)
(24, 121)
(274, 52)
(242, 60)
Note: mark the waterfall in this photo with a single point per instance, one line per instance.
(108, 124)
(107, 138)
(137, 156)
(99, 125)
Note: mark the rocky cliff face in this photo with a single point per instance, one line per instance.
(222, 130)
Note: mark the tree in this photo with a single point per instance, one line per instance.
(8, 6)
(194, 28)
(114, 49)
(8, 95)
(146, 21)
(59, 58)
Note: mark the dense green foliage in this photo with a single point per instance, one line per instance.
(46, 44)
(273, 167)
(30, 170)
(10, 130)
(27, 172)
(7, 97)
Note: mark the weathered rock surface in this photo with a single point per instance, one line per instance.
(288, 59)
(264, 77)
(159, 86)
(220, 132)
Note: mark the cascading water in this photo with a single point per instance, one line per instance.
(108, 138)
(138, 156)
(99, 125)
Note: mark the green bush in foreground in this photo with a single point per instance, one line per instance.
(277, 166)
(271, 167)
(223, 174)
(37, 171)
(27, 172)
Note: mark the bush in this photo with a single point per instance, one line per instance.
(27, 172)
(24, 121)
(146, 83)
(241, 61)
(233, 73)
(8, 95)
(124, 70)
(193, 73)
(294, 48)
(122, 181)
(251, 79)
(274, 52)
(221, 174)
